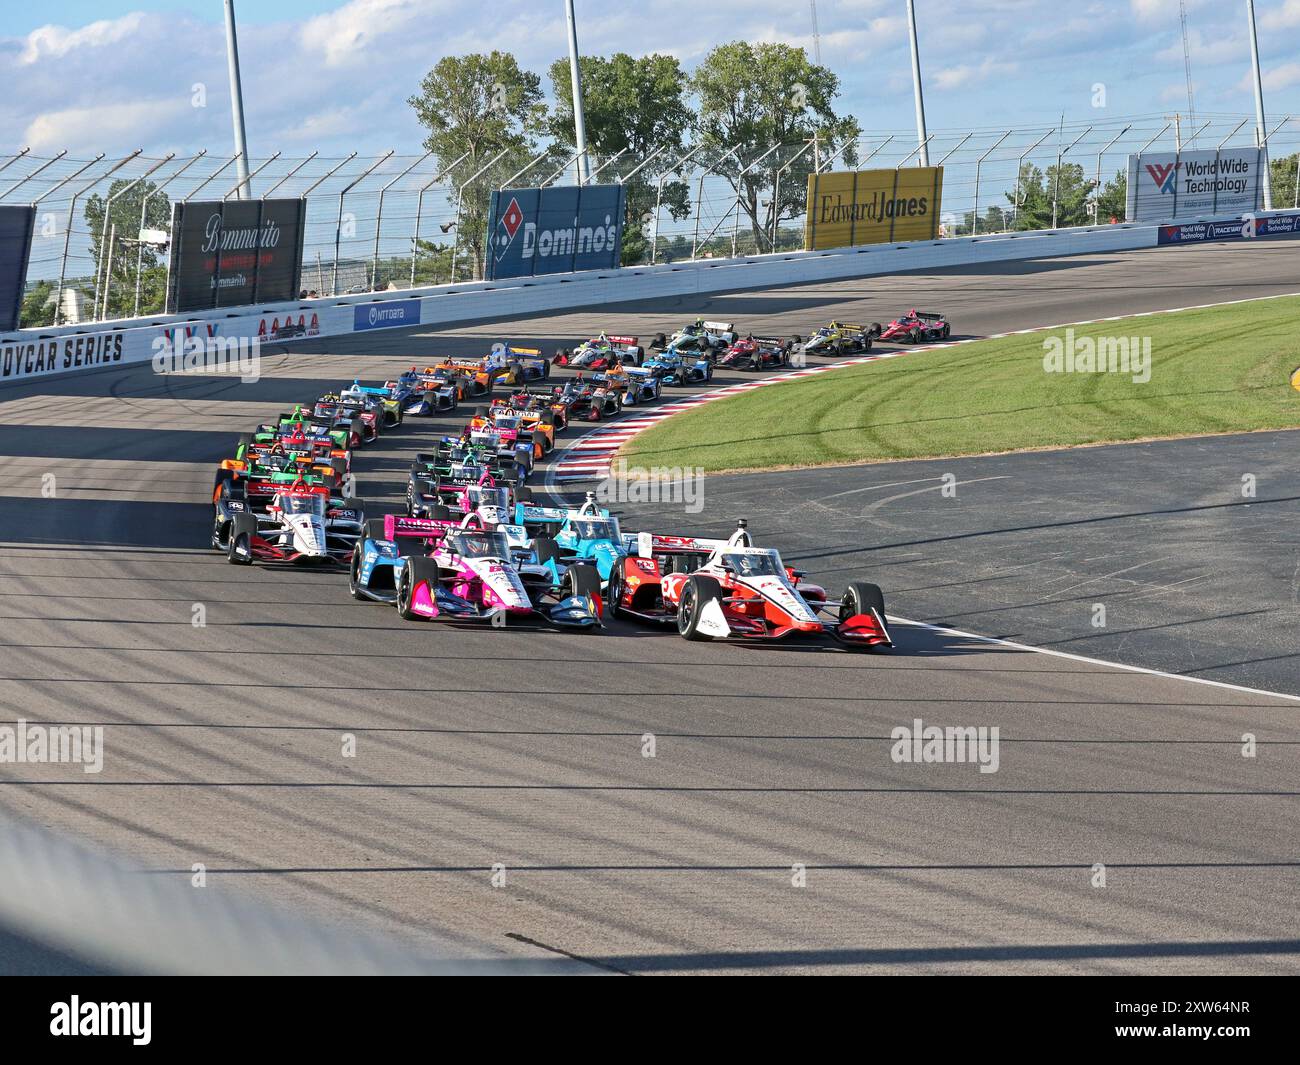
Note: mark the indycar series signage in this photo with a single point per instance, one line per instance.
(873, 207)
(33, 358)
(1169, 185)
(1248, 228)
(554, 230)
(16, 225)
(233, 253)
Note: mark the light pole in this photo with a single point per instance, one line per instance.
(575, 79)
(921, 138)
(237, 102)
(1261, 138)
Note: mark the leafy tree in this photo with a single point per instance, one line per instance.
(38, 306)
(636, 106)
(124, 215)
(1112, 200)
(1036, 192)
(483, 105)
(1283, 173)
(755, 96)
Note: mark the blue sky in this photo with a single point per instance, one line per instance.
(110, 75)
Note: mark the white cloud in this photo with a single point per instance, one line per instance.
(112, 124)
(345, 35)
(54, 42)
(965, 75)
(1284, 18)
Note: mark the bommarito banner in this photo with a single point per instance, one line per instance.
(873, 207)
(1163, 186)
(234, 253)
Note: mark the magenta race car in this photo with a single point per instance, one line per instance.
(915, 327)
(469, 574)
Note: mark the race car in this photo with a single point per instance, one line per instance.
(633, 384)
(567, 536)
(708, 339)
(361, 422)
(425, 394)
(840, 338)
(671, 367)
(602, 352)
(590, 398)
(717, 589)
(301, 523)
(300, 423)
(542, 402)
(517, 366)
(915, 327)
(757, 353)
(470, 379)
(380, 400)
(467, 575)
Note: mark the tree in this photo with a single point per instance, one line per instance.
(481, 105)
(38, 306)
(1036, 192)
(1112, 201)
(1283, 173)
(636, 106)
(124, 216)
(755, 96)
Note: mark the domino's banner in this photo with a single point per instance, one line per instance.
(16, 224)
(1249, 228)
(554, 230)
(1164, 186)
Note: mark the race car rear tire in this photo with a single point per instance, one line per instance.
(543, 443)
(945, 332)
(440, 512)
(696, 594)
(524, 495)
(860, 597)
(354, 573)
(915, 336)
(239, 550)
(374, 529)
(546, 550)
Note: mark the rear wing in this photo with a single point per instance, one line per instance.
(627, 342)
(719, 327)
(647, 545)
(531, 514)
(777, 341)
(927, 317)
(398, 525)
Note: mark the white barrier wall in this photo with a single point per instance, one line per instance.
(36, 353)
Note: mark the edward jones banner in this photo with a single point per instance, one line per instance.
(15, 247)
(873, 207)
(233, 253)
(554, 230)
(1168, 185)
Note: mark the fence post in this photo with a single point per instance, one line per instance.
(108, 208)
(144, 207)
(379, 218)
(338, 226)
(67, 231)
(1096, 198)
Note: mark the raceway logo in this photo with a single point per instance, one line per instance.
(1164, 175)
(507, 226)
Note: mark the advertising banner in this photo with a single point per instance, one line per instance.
(234, 253)
(387, 315)
(16, 225)
(554, 230)
(1167, 185)
(1249, 228)
(873, 207)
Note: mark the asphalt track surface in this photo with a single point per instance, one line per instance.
(477, 747)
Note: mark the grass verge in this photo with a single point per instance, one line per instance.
(1221, 369)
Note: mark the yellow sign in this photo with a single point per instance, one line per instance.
(873, 207)
(1295, 379)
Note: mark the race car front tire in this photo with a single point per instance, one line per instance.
(615, 588)
(697, 593)
(861, 597)
(581, 579)
(239, 549)
(416, 570)
(354, 570)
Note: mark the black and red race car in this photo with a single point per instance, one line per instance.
(757, 353)
(718, 589)
(914, 327)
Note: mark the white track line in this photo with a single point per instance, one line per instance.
(946, 630)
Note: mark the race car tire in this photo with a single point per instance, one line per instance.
(916, 336)
(796, 340)
(615, 593)
(945, 332)
(239, 550)
(222, 477)
(546, 549)
(374, 529)
(659, 343)
(696, 594)
(542, 443)
(581, 579)
(524, 495)
(415, 570)
(440, 512)
(354, 573)
(860, 597)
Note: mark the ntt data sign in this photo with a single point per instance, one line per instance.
(233, 253)
(554, 230)
(1168, 185)
(873, 207)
